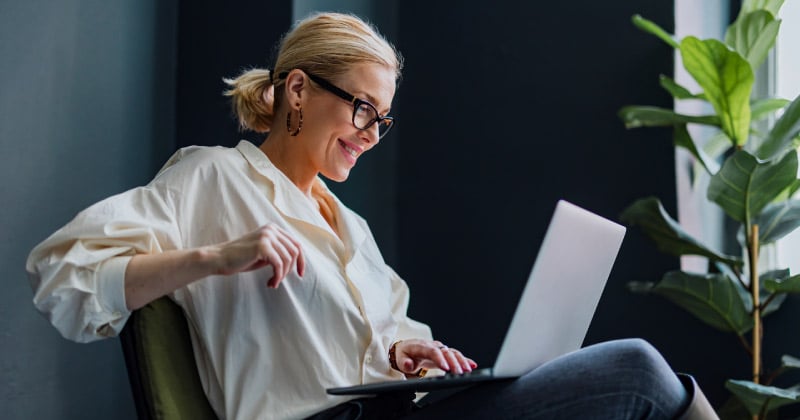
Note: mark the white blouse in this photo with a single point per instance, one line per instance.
(261, 353)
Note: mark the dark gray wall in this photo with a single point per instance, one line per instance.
(506, 108)
(86, 111)
(216, 40)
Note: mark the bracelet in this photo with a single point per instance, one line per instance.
(393, 363)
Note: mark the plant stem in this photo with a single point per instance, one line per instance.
(754, 290)
(775, 373)
(768, 301)
(746, 345)
(739, 277)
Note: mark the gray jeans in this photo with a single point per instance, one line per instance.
(621, 379)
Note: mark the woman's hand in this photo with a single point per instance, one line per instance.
(412, 355)
(268, 245)
(150, 276)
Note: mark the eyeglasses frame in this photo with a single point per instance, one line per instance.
(357, 102)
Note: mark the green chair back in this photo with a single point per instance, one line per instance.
(161, 365)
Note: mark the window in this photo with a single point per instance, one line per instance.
(787, 85)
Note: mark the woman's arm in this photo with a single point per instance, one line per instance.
(150, 276)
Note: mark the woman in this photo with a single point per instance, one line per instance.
(284, 287)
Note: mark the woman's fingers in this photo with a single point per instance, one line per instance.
(432, 354)
(294, 250)
(268, 245)
(455, 361)
(463, 362)
(440, 359)
(452, 360)
(283, 252)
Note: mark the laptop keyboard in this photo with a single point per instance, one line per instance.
(450, 375)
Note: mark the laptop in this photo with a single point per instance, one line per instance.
(554, 311)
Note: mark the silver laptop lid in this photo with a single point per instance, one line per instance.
(563, 289)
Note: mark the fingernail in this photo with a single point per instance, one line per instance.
(446, 366)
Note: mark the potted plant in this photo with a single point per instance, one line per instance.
(753, 178)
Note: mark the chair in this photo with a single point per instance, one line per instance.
(161, 365)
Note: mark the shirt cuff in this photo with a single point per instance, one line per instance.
(111, 286)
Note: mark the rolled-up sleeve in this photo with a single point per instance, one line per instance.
(78, 273)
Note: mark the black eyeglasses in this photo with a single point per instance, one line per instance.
(364, 113)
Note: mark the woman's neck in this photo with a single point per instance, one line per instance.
(290, 160)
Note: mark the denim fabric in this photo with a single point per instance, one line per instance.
(622, 379)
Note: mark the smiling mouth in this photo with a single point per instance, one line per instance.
(353, 152)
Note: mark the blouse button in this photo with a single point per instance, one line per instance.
(368, 359)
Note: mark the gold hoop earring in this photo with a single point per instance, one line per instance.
(299, 122)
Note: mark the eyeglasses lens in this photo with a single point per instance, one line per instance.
(365, 115)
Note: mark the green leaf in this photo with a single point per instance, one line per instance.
(788, 193)
(755, 396)
(766, 293)
(790, 362)
(649, 116)
(652, 28)
(784, 285)
(778, 220)
(772, 6)
(713, 298)
(727, 80)
(681, 138)
(717, 145)
(649, 214)
(744, 185)
(753, 35)
(763, 108)
(677, 91)
(782, 133)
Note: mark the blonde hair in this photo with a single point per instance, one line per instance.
(325, 44)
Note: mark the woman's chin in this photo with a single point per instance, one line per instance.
(338, 176)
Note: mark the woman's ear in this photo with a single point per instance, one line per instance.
(295, 85)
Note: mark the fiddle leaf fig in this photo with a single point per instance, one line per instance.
(682, 138)
(649, 214)
(713, 298)
(745, 185)
(776, 297)
(726, 79)
(785, 130)
(783, 285)
(649, 116)
(753, 166)
(677, 91)
(763, 108)
(778, 220)
(761, 398)
(753, 35)
(772, 6)
(654, 29)
(790, 362)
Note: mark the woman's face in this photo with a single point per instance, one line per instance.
(333, 143)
